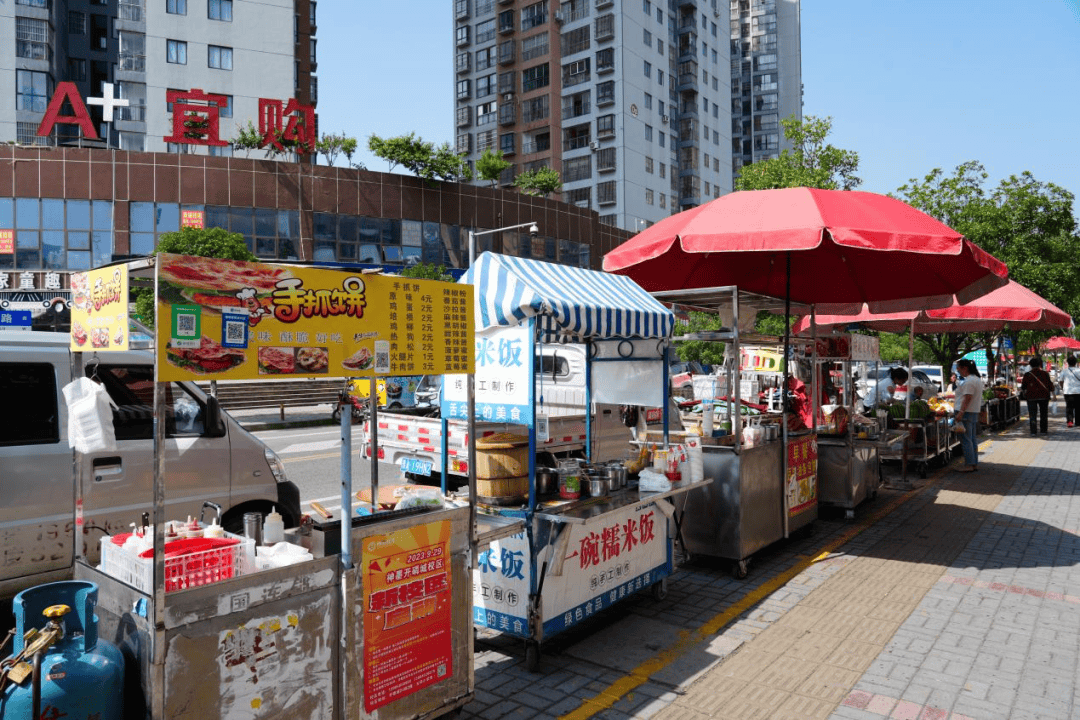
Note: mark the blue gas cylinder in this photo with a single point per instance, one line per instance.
(81, 676)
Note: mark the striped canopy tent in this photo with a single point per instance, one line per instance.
(568, 302)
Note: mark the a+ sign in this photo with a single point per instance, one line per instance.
(107, 102)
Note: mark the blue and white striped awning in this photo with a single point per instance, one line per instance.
(567, 300)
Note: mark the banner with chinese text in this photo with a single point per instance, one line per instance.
(801, 474)
(227, 319)
(503, 373)
(7, 242)
(407, 612)
(99, 309)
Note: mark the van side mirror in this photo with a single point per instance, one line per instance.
(215, 423)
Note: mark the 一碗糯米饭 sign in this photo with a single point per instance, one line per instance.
(99, 309)
(229, 319)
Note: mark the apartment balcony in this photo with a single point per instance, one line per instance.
(506, 53)
(688, 81)
(601, 4)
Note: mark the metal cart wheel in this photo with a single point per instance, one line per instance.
(740, 569)
(659, 589)
(532, 655)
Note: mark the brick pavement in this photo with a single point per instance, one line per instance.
(958, 600)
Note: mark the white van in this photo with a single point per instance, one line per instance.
(209, 457)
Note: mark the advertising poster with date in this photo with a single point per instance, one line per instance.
(407, 613)
(99, 309)
(801, 474)
(227, 319)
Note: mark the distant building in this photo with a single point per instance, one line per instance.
(630, 100)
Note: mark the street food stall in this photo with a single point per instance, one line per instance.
(591, 538)
(373, 622)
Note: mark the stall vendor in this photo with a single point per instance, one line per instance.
(885, 388)
(801, 416)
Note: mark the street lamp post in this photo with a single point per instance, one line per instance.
(533, 230)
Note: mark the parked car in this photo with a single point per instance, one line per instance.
(918, 379)
(681, 374)
(931, 371)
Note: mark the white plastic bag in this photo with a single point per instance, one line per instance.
(90, 417)
(414, 496)
(649, 481)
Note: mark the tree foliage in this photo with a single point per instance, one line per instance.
(812, 162)
(541, 181)
(331, 146)
(198, 242)
(427, 271)
(709, 353)
(420, 157)
(490, 166)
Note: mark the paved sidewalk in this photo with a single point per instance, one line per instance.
(960, 599)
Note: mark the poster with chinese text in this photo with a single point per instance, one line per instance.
(407, 612)
(801, 474)
(99, 309)
(503, 373)
(226, 319)
(7, 242)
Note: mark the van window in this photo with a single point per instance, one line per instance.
(30, 416)
(131, 387)
(552, 365)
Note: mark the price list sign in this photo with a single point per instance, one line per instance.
(430, 328)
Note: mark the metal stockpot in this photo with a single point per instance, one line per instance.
(616, 476)
(547, 480)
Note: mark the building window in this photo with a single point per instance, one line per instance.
(462, 34)
(26, 134)
(646, 7)
(537, 108)
(506, 82)
(485, 31)
(605, 27)
(135, 94)
(220, 10)
(485, 113)
(464, 89)
(534, 47)
(605, 160)
(539, 142)
(605, 93)
(534, 15)
(648, 101)
(648, 133)
(463, 116)
(485, 85)
(176, 52)
(578, 196)
(648, 196)
(646, 37)
(132, 51)
(463, 145)
(575, 105)
(225, 110)
(463, 62)
(484, 59)
(485, 140)
(506, 52)
(535, 78)
(31, 38)
(76, 22)
(576, 137)
(219, 57)
(605, 126)
(648, 69)
(506, 21)
(663, 170)
(605, 60)
(574, 169)
(176, 7)
(648, 165)
(575, 40)
(76, 69)
(663, 200)
(31, 90)
(576, 72)
(506, 144)
(605, 193)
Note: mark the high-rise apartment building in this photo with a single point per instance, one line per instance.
(766, 77)
(145, 48)
(628, 99)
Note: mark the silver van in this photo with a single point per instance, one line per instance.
(209, 457)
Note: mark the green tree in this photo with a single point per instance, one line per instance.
(330, 146)
(198, 242)
(427, 271)
(541, 181)
(490, 166)
(812, 162)
(423, 159)
(710, 353)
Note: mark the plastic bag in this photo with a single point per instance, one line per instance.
(90, 417)
(649, 481)
(414, 496)
(186, 412)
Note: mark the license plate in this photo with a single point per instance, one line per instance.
(416, 466)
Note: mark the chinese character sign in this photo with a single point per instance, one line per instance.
(501, 586)
(801, 474)
(290, 127)
(503, 376)
(195, 117)
(407, 578)
(240, 320)
(193, 219)
(7, 242)
(99, 309)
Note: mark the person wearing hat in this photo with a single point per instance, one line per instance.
(968, 404)
(1036, 388)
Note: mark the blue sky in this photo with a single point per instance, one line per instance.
(910, 84)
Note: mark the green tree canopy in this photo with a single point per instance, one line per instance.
(490, 166)
(427, 271)
(541, 181)
(812, 162)
(420, 157)
(198, 242)
(330, 146)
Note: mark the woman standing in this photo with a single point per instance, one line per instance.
(1070, 387)
(1037, 388)
(968, 404)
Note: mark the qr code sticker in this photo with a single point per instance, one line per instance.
(382, 356)
(185, 325)
(234, 331)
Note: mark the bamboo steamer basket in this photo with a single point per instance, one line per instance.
(502, 456)
(503, 491)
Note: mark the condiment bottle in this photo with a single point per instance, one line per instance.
(192, 529)
(213, 530)
(273, 528)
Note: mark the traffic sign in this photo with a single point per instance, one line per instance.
(15, 319)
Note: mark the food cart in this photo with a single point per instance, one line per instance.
(576, 555)
(763, 482)
(382, 626)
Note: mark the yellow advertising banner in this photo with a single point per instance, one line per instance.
(226, 319)
(99, 309)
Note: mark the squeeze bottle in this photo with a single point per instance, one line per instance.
(273, 528)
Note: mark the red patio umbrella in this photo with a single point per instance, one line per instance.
(834, 249)
(1061, 343)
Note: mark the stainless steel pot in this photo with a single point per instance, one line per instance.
(547, 481)
(616, 476)
(772, 431)
(597, 485)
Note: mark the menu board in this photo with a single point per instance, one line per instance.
(99, 309)
(227, 319)
(801, 474)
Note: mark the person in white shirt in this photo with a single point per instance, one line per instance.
(1070, 388)
(883, 391)
(969, 397)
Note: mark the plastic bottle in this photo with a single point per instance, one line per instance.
(707, 418)
(273, 528)
(213, 530)
(192, 529)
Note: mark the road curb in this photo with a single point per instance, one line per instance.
(287, 424)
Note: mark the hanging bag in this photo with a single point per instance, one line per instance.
(90, 417)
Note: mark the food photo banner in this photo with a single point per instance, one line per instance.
(99, 309)
(227, 319)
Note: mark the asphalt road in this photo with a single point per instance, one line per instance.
(312, 458)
